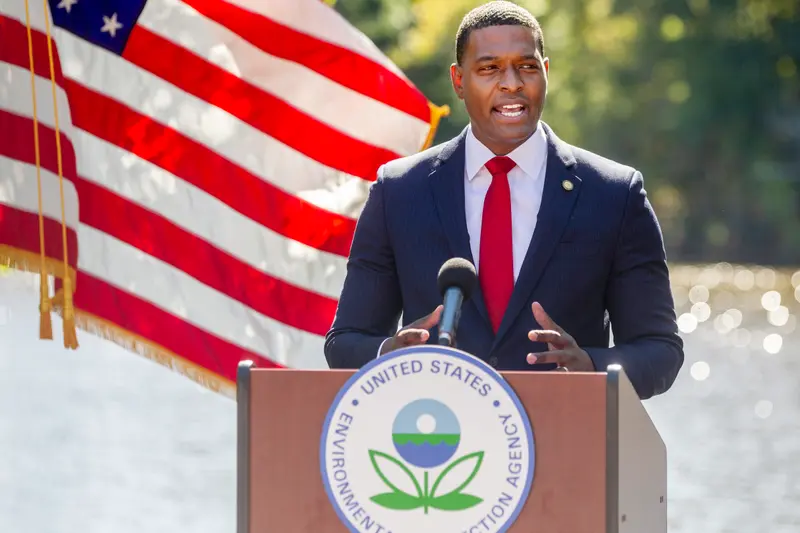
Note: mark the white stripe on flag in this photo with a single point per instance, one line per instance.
(15, 96)
(18, 189)
(319, 20)
(177, 293)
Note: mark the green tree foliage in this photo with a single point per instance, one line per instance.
(703, 96)
(383, 21)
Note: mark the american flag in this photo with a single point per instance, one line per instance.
(211, 161)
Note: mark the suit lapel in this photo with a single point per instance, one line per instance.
(447, 186)
(554, 215)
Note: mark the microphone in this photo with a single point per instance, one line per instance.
(456, 280)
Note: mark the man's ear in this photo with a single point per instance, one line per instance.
(546, 64)
(456, 77)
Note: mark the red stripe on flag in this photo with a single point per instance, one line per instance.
(260, 109)
(16, 142)
(20, 229)
(162, 328)
(14, 49)
(245, 192)
(335, 62)
(160, 238)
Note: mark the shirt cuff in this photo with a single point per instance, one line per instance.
(380, 348)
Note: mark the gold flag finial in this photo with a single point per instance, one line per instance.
(437, 112)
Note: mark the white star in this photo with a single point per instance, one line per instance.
(110, 24)
(66, 4)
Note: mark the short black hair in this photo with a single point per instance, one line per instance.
(496, 13)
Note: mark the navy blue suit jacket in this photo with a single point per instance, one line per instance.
(597, 254)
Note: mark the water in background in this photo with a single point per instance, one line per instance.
(100, 440)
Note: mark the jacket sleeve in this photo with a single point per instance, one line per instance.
(370, 304)
(639, 302)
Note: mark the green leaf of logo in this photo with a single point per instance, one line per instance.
(455, 501)
(476, 457)
(397, 500)
(376, 457)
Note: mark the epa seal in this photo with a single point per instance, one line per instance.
(427, 439)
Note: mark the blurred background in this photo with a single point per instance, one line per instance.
(703, 96)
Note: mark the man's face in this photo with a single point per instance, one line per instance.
(503, 82)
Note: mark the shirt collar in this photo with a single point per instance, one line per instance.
(529, 156)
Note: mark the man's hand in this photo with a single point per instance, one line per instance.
(414, 333)
(563, 350)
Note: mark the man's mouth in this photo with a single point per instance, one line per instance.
(510, 110)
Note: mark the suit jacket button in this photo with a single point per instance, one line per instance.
(493, 361)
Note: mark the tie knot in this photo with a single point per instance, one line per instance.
(500, 165)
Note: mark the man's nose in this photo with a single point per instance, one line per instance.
(511, 80)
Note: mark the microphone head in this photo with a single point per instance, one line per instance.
(460, 273)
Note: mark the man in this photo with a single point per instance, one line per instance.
(563, 239)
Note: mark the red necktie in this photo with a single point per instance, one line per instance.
(496, 263)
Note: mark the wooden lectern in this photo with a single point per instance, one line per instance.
(600, 463)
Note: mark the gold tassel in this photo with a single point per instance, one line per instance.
(45, 306)
(70, 333)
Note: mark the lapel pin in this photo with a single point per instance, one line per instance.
(568, 186)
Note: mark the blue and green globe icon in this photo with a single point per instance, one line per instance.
(426, 435)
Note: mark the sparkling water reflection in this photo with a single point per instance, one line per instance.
(730, 421)
(99, 440)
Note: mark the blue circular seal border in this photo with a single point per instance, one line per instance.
(425, 348)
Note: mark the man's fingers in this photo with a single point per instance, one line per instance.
(417, 332)
(427, 322)
(560, 357)
(412, 337)
(543, 318)
(548, 336)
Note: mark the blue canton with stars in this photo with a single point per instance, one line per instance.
(105, 23)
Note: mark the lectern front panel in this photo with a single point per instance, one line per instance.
(568, 416)
(287, 410)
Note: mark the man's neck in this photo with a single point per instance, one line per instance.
(500, 149)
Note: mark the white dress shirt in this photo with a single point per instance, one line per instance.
(526, 181)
